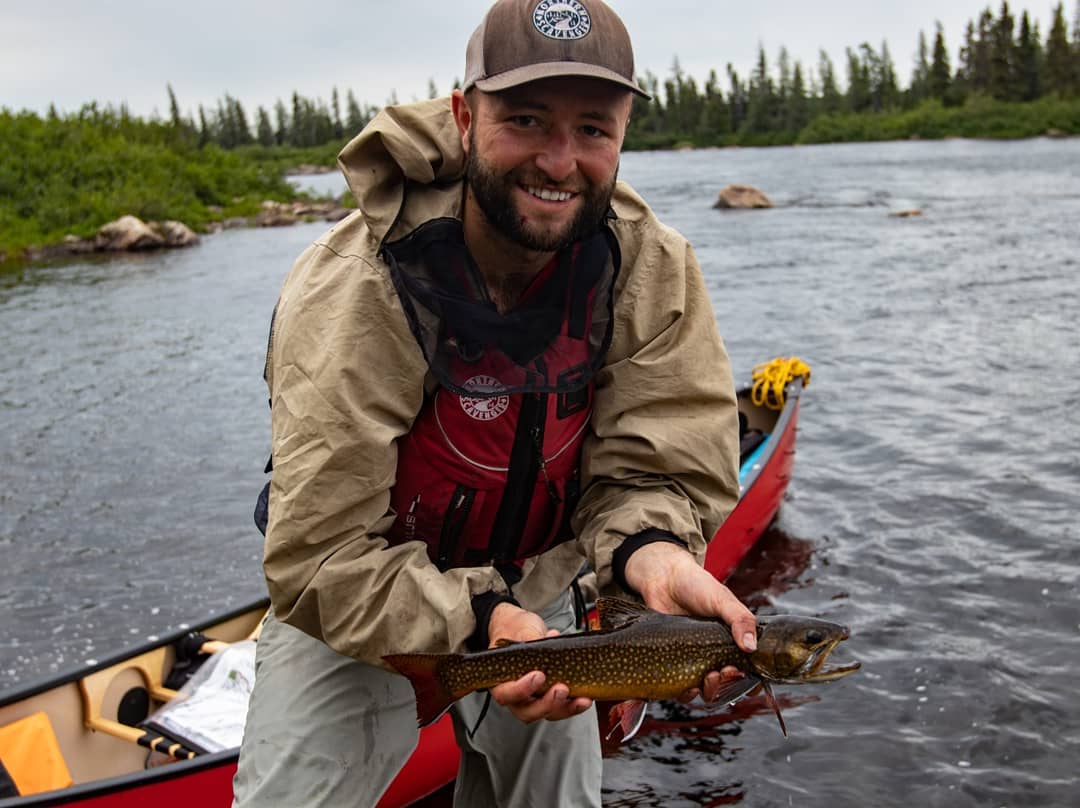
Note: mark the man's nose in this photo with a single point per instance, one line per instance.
(557, 158)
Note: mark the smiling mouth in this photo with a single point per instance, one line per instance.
(547, 194)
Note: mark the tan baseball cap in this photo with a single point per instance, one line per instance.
(524, 40)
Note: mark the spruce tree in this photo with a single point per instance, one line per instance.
(980, 72)
(354, 118)
(737, 99)
(919, 89)
(1002, 70)
(1028, 61)
(335, 106)
(281, 118)
(858, 91)
(940, 70)
(888, 87)
(963, 83)
(174, 109)
(831, 99)
(716, 112)
(761, 110)
(263, 128)
(797, 111)
(296, 131)
(204, 128)
(1076, 51)
(1059, 57)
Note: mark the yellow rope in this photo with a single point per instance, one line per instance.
(771, 378)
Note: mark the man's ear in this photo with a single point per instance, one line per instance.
(463, 116)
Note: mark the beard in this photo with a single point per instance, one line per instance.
(494, 195)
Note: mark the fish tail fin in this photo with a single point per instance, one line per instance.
(776, 707)
(422, 670)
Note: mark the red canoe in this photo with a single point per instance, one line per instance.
(73, 739)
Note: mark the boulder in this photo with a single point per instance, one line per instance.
(77, 246)
(742, 197)
(176, 234)
(127, 233)
(275, 217)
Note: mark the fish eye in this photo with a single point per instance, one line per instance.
(813, 637)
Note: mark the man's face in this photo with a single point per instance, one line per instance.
(542, 158)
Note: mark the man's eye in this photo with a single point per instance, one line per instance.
(524, 120)
(593, 131)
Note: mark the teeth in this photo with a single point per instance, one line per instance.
(550, 196)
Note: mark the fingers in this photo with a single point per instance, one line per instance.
(519, 691)
(510, 622)
(528, 701)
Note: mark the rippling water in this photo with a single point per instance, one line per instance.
(932, 508)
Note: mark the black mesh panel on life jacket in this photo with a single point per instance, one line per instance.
(459, 328)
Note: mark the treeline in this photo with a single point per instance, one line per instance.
(1001, 58)
(303, 123)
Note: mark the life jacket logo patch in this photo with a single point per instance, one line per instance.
(484, 409)
(562, 19)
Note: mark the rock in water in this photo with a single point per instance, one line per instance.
(742, 197)
(127, 233)
(177, 234)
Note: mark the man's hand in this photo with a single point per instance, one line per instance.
(526, 697)
(670, 581)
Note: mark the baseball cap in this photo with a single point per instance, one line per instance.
(524, 40)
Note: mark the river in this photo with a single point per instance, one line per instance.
(932, 509)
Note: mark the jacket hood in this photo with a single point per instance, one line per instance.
(402, 144)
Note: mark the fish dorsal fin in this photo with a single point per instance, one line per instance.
(619, 612)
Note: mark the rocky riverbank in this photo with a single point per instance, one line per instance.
(131, 234)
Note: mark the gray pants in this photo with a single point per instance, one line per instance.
(325, 730)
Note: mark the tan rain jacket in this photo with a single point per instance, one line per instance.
(347, 378)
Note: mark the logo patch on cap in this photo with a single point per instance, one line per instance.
(562, 19)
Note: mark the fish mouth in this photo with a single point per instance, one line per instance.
(815, 669)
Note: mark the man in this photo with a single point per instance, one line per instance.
(500, 368)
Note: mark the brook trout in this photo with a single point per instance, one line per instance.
(637, 655)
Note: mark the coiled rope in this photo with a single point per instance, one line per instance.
(771, 378)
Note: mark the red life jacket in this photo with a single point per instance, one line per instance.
(489, 472)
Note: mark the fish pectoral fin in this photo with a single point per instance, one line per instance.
(502, 642)
(627, 716)
(735, 689)
(776, 707)
(618, 612)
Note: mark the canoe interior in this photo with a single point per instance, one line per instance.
(94, 755)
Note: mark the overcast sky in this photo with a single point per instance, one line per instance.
(69, 52)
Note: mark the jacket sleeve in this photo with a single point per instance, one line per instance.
(661, 460)
(346, 380)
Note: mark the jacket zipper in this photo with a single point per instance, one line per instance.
(525, 464)
(457, 514)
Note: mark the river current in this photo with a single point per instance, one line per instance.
(932, 508)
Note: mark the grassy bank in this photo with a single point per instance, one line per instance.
(72, 175)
